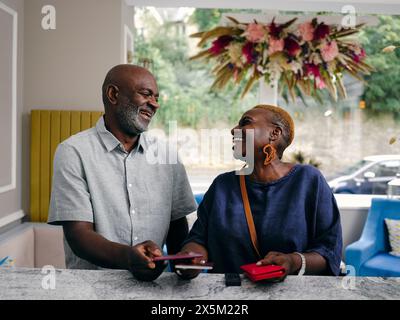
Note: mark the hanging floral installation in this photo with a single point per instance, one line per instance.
(303, 58)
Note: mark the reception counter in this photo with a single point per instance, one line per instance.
(24, 283)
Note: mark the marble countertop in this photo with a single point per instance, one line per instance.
(23, 283)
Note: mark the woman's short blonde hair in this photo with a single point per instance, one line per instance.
(283, 119)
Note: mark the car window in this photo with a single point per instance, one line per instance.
(387, 168)
(353, 168)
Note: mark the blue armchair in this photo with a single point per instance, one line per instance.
(369, 255)
(199, 197)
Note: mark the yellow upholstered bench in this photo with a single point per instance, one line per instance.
(48, 129)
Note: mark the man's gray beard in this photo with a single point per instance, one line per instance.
(128, 119)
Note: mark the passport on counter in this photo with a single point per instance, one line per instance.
(258, 273)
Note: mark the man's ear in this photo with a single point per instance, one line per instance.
(112, 93)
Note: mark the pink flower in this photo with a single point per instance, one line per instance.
(220, 44)
(292, 47)
(275, 45)
(319, 83)
(235, 74)
(312, 69)
(329, 51)
(306, 30)
(360, 56)
(321, 31)
(255, 32)
(363, 54)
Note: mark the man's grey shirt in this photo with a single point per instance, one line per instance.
(128, 198)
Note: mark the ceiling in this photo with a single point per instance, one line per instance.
(361, 6)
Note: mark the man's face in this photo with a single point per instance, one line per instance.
(138, 104)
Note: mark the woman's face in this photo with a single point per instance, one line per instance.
(258, 120)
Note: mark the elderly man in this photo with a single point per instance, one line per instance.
(117, 208)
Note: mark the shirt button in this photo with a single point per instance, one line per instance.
(130, 185)
(135, 238)
(133, 211)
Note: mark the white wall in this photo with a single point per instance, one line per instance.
(10, 201)
(65, 67)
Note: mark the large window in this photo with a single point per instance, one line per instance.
(331, 135)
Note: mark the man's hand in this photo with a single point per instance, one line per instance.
(141, 262)
(289, 261)
(87, 244)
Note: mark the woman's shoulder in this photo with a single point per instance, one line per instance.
(223, 182)
(221, 186)
(225, 178)
(309, 171)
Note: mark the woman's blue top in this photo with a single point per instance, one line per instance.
(296, 213)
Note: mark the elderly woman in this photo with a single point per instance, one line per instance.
(282, 213)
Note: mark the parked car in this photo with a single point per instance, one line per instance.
(369, 176)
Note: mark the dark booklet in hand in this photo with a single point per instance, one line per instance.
(178, 257)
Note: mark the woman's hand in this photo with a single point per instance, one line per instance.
(188, 274)
(291, 262)
(189, 248)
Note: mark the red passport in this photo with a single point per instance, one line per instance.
(257, 273)
(178, 257)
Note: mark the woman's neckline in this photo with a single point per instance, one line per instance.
(289, 174)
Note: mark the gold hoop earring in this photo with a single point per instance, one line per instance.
(270, 153)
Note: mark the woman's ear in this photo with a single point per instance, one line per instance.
(112, 94)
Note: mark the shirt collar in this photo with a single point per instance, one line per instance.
(111, 142)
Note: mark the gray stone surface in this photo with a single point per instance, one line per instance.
(23, 283)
